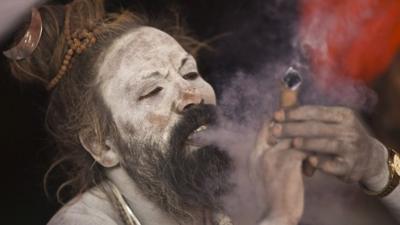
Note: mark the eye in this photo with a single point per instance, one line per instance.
(151, 93)
(191, 76)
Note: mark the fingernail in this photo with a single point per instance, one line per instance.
(271, 124)
(279, 115)
(272, 141)
(277, 130)
(313, 160)
(297, 142)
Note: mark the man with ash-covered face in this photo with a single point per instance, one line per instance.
(157, 100)
(126, 99)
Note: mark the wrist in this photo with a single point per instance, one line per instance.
(278, 220)
(393, 181)
(377, 179)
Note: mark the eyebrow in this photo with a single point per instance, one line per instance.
(154, 74)
(184, 60)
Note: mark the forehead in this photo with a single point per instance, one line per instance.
(139, 50)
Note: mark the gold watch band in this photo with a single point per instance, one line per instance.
(394, 176)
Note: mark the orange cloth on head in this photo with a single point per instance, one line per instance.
(354, 38)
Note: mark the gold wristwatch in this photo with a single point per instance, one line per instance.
(394, 175)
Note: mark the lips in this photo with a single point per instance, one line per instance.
(195, 121)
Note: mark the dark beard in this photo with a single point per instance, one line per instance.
(180, 181)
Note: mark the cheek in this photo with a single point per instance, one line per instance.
(157, 120)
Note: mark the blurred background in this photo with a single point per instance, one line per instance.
(251, 32)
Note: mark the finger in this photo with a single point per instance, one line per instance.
(275, 152)
(282, 151)
(294, 155)
(271, 140)
(281, 158)
(308, 129)
(316, 113)
(263, 135)
(318, 145)
(332, 166)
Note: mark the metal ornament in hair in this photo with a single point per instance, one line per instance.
(29, 41)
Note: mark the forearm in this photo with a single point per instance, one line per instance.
(392, 202)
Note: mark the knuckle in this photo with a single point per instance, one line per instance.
(345, 160)
(346, 111)
(325, 109)
(346, 114)
(278, 130)
(351, 138)
(333, 145)
(338, 130)
(352, 120)
(351, 145)
(347, 164)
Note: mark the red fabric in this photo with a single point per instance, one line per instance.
(354, 38)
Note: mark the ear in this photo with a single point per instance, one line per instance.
(106, 154)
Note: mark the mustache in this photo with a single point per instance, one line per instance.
(193, 118)
(199, 177)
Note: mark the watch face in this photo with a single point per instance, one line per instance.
(396, 163)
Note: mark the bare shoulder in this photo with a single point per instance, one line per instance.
(90, 208)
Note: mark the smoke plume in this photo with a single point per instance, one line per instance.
(330, 45)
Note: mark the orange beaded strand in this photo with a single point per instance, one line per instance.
(78, 42)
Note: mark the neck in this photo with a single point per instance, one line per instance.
(145, 210)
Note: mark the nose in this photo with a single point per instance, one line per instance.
(188, 97)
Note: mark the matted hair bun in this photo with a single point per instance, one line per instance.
(49, 56)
